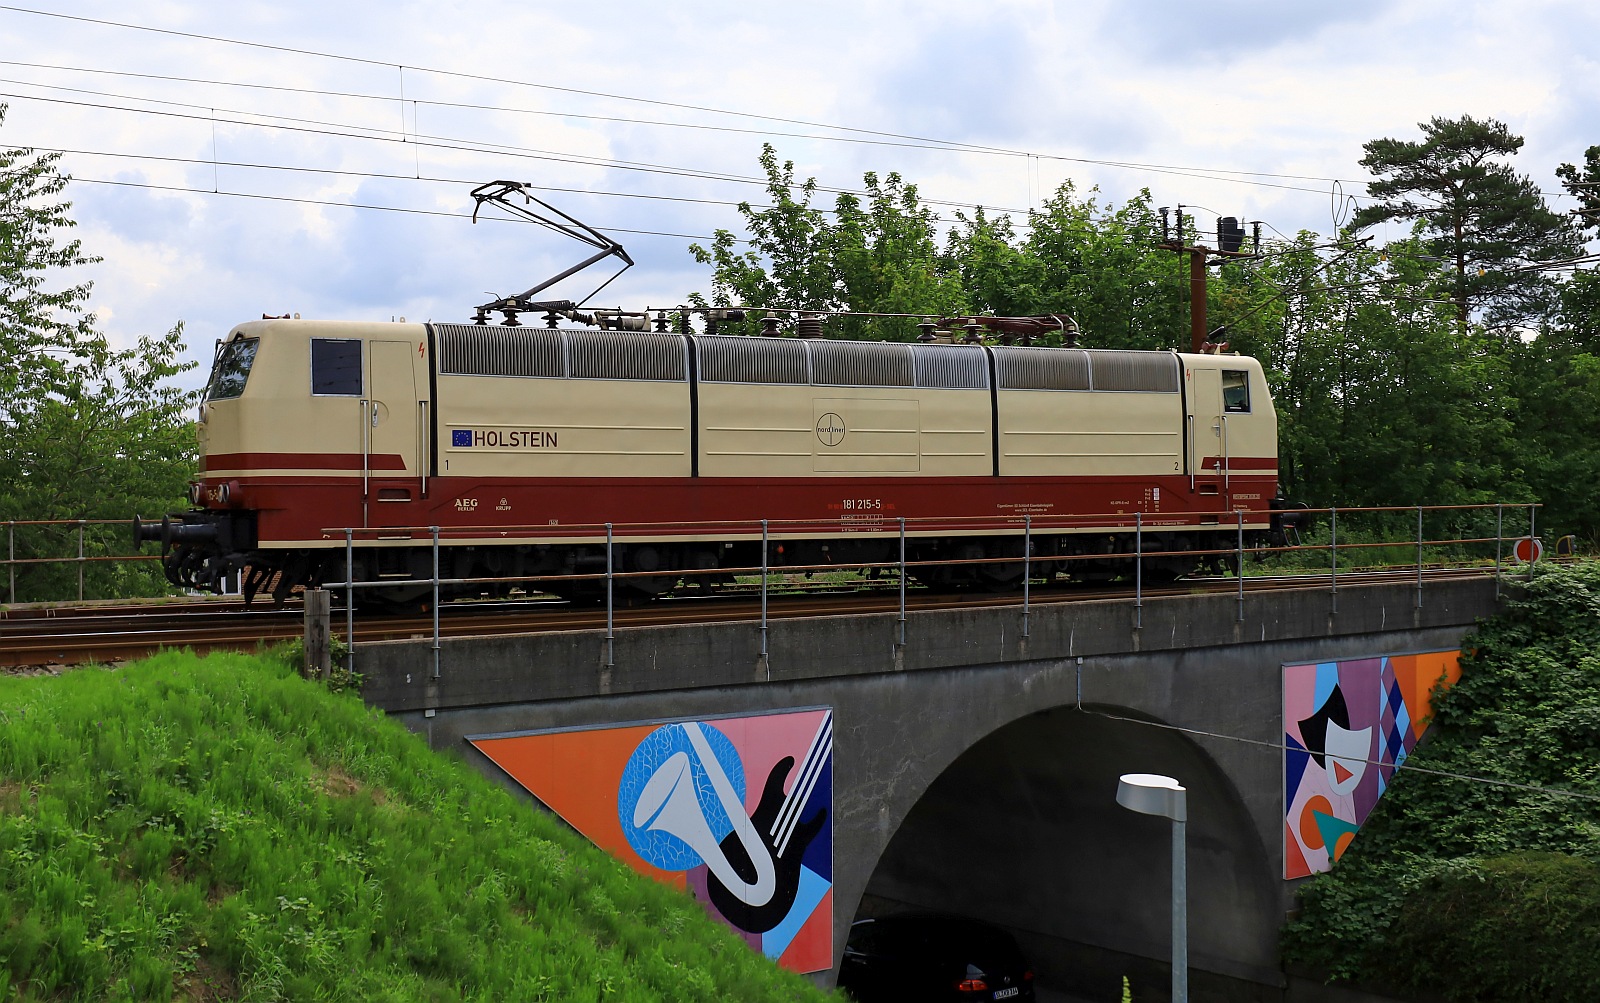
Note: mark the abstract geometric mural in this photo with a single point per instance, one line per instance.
(1347, 726)
(735, 810)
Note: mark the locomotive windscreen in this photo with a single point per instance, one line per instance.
(231, 369)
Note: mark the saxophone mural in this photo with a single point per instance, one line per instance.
(735, 810)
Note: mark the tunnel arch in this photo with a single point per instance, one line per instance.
(1021, 828)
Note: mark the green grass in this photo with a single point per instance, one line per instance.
(218, 828)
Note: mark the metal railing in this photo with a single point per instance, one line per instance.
(78, 531)
(1389, 535)
(1027, 529)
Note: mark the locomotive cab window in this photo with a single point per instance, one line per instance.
(336, 367)
(231, 369)
(1235, 391)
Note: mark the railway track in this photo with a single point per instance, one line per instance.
(54, 636)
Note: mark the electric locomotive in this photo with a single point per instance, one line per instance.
(521, 443)
(396, 454)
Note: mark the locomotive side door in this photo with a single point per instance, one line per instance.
(1207, 435)
(392, 455)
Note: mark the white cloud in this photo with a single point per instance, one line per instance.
(1289, 89)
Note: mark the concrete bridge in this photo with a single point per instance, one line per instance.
(975, 765)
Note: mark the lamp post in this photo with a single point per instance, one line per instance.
(1151, 794)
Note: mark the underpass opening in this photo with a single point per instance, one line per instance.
(1023, 830)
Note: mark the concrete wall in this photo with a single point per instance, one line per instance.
(975, 767)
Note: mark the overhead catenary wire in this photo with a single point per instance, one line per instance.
(375, 208)
(952, 145)
(386, 134)
(390, 64)
(652, 233)
(458, 144)
(1401, 767)
(1233, 175)
(215, 190)
(380, 175)
(343, 205)
(938, 145)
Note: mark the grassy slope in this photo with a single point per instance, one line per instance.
(217, 828)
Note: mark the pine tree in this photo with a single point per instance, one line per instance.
(1475, 211)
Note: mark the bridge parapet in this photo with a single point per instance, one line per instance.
(523, 668)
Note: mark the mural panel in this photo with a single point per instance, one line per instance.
(1347, 726)
(736, 810)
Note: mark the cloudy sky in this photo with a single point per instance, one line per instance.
(220, 150)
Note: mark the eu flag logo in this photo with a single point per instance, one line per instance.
(460, 437)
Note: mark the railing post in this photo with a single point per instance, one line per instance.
(763, 588)
(1238, 565)
(11, 559)
(350, 600)
(1419, 557)
(902, 581)
(1138, 570)
(81, 557)
(1027, 567)
(611, 637)
(1532, 552)
(435, 531)
(1333, 547)
(1499, 543)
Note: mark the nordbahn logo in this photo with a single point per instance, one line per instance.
(470, 438)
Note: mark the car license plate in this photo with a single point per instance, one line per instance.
(1001, 994)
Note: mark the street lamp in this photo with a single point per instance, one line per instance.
(1151, 794)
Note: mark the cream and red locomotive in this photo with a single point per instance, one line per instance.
(520, 443)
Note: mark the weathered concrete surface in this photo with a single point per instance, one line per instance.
(480, 671)
(993, 755)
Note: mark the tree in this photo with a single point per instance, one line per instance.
(1584, 185)
(877, 253)
(1579, 321)
(880, 252)
(1378, 401)
(886, 259)
(1477, 212)
(87, 431)
(1101, 264)
(789, 264)
(40, 326)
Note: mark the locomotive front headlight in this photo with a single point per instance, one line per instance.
(197, 492)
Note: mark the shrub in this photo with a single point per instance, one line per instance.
(1519, 736)
(1524, 926)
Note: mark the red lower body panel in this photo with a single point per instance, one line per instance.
(301, 510)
